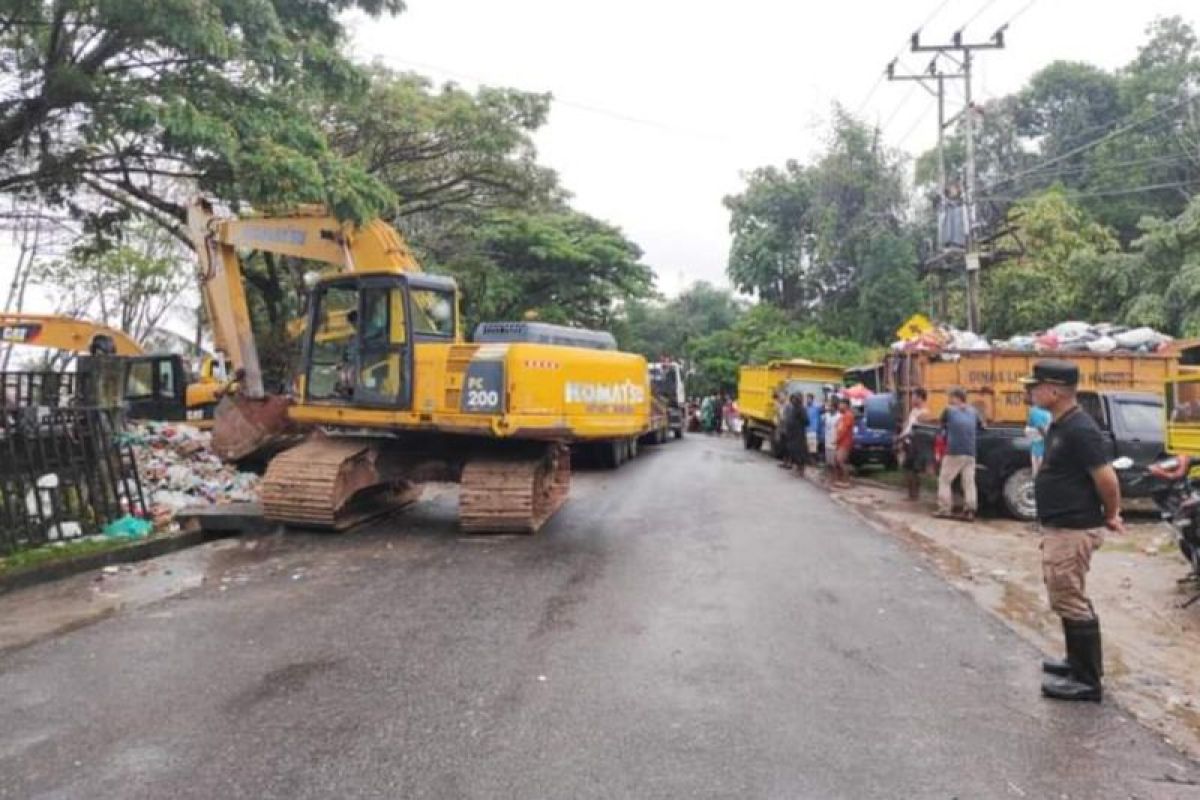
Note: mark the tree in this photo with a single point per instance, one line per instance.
(1045, 285)
(657, 329)
(773, 236)
(558, 266)
(828, 242)
(134, 104)
(446, 153)
(132, 285)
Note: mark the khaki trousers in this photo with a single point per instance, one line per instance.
(1066, 558)
(952, 467)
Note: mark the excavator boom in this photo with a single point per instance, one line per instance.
(65, 333)
(250, 420)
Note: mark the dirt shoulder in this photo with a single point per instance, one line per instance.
(1151, 643)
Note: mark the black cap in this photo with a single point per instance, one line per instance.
(1055, 371)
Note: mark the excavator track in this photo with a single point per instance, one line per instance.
(514, 493)
(332, 483)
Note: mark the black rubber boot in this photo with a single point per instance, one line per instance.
(1058, 666)
(1085, 656)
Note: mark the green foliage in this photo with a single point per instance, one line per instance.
(665, 329)
(1053, 280)
(558, 266)
(1068, 105)
(714, 334)
(121, 102)
(827, 242)
(129, 282)
(446, 154)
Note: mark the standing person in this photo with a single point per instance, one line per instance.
(795, 432)
(816, 426)
(1036, 423)
(707, 413)
(1078, 500)
(829, 426)
(911, 463)
(844, 439)
(960, 421)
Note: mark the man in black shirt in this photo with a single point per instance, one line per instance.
(1078, 499)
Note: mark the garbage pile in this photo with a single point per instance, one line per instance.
(178, 470)
(1064, 337)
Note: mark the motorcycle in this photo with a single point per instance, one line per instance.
(1177, 498)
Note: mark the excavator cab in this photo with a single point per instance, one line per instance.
(363, 328)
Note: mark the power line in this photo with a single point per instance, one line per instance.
(619, 116)
(1080, 168)
(1107, 192)
(916, 123)
(879, 81)
(1089, 145)
(977, 14)
(899, 106)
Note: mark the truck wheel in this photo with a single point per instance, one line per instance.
(611, 454)
(1018, 495)
(631, 449)
(678, 432)
(751, 441)
(660, 436)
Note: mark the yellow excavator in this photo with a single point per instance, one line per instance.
(395, 394)
(155, 386)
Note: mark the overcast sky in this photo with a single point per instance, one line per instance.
(661, 104)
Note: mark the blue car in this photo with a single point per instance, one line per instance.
(872, 445)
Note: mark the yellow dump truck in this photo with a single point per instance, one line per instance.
(1183, 414)
(762, 388)
(1122, 391)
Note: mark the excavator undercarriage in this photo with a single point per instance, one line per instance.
(334, 482)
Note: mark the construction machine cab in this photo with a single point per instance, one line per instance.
(362, 328)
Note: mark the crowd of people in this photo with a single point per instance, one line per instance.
(714, 414)
(818, 432)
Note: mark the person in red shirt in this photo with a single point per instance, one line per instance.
(845, 442)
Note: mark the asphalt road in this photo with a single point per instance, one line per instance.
(697, 624)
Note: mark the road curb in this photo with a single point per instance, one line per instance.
(132, 553)
(137, 551)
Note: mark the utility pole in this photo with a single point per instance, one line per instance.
(933, 73)
(964, 61)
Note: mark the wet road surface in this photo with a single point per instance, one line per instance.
(697, 624)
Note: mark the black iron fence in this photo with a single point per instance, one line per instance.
(64, 472)
(24, 389)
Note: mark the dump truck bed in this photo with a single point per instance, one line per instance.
(758, 383)
(991, 378)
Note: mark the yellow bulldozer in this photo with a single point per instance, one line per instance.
(392, 392)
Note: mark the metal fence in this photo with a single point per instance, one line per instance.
(25, 389)
(64, 472)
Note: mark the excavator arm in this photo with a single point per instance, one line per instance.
(65, 333)
(254, 418)
(310, 233)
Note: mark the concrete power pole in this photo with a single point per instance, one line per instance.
(933, 73)
(964, 61)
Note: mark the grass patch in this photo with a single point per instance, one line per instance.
(27, 558)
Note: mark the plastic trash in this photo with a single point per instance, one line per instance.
(128, 527)
(1105, 344)
(1071, 331)
(1138, 337)
(64, 530)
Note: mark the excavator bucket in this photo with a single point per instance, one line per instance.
(243, 427)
